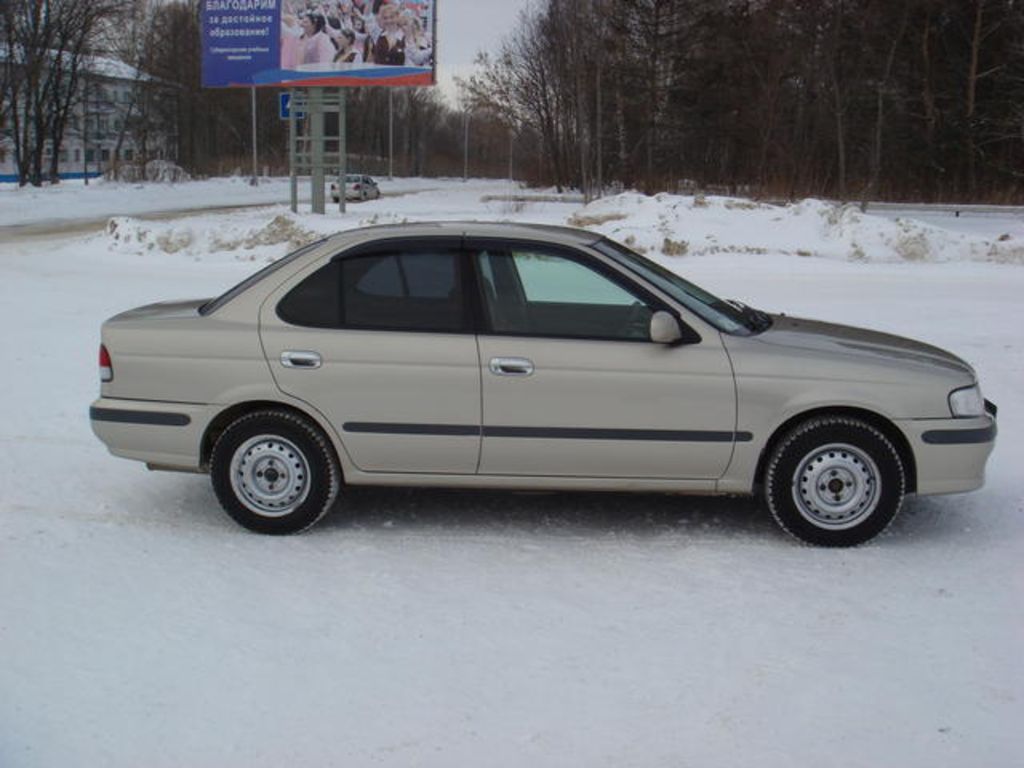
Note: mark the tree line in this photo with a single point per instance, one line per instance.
(44, 45)
(853, 99)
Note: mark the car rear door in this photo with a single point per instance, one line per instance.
(572, 385)
(381, 343)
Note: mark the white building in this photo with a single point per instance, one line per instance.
(112, 122)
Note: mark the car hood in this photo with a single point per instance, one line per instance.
(847, 341)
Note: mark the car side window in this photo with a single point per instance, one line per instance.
(408, 290)
(534, 292)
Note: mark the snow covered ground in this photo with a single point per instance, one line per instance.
(140, 626)
(73, 200)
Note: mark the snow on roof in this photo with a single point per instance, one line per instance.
(103, 66)
(114, 69)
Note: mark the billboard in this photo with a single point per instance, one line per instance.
(302, 43)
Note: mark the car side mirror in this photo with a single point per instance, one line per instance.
(665, 328)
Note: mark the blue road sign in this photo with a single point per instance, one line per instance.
(284, 100)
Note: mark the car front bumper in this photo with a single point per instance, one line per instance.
(951, 453)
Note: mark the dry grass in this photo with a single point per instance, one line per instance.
(577, 220)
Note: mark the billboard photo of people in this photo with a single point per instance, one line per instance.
(332, 42)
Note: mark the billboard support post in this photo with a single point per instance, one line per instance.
(316, 130)
(391, 134)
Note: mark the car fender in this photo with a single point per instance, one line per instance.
(245, 398)
(764, 423)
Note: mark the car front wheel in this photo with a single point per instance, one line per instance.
(274, 472)
(835, 481)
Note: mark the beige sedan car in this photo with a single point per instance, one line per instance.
(527, 357)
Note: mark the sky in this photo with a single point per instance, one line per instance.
(465, 27)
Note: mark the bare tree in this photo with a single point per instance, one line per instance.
(46, 43)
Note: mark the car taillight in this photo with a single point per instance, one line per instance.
(106, 369)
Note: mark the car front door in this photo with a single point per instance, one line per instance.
(572, 384)
(381, 343)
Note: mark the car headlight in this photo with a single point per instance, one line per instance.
(967, 402)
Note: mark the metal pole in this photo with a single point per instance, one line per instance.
(255, 173)
(293, 181)
(600, 143)
(342, 149)
(316, 119)
(600, 14)
(465, 146)
(390, 134)
(85, 131)
(511, 138)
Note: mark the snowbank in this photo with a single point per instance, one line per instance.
(674, 225)
(197, 237)
(663, 226)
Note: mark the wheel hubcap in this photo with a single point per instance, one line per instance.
(836, 486)
(270, 475)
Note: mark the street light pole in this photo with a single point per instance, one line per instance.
(254, 181)
(391, 134)
(85, 129)
(465, 146)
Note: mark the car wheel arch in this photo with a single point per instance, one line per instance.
(881, 423)
(232, 413)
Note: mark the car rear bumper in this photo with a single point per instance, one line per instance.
(166, 434)
(951, 453)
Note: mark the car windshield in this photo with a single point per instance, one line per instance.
(353, 179)
(251, 280)
(727, 316)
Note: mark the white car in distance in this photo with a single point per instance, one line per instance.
(357, 187)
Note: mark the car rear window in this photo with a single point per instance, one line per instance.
(409, 290)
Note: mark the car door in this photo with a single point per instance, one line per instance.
(380, 342)
(572, 385)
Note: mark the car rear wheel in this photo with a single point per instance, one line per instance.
(274, 472)
(835, 482)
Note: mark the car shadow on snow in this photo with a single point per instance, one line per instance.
(567, 513)
(922, 519)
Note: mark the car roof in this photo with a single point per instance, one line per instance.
(555, 235)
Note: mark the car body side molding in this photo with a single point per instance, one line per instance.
(562, 433)
(151, 418)
(959, 436)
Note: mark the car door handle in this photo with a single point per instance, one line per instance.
(300, 359)
(511, 366)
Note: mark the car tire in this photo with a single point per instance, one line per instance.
(834, 481)
(274, 472)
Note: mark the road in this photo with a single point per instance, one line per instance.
(70, 226)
